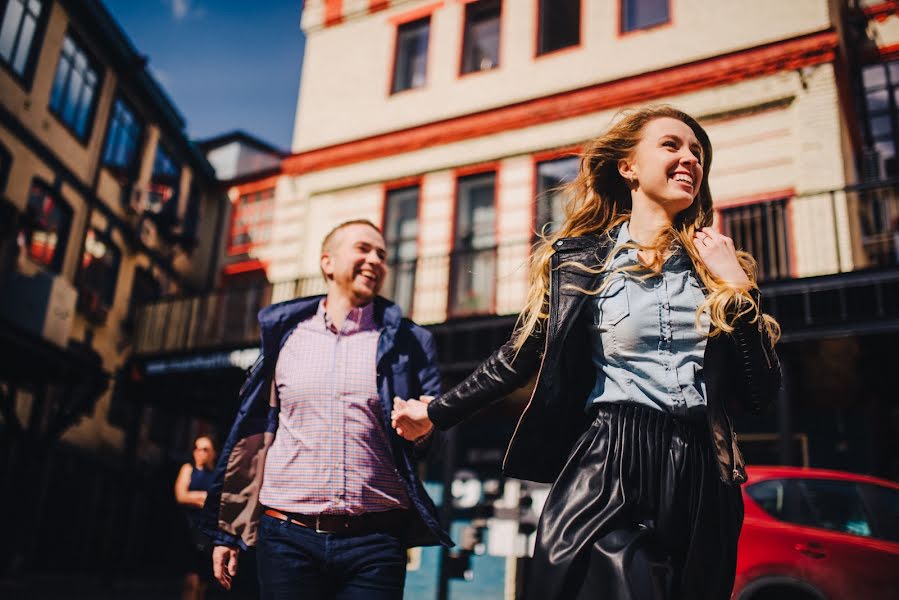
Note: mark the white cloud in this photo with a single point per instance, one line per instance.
(184, 9)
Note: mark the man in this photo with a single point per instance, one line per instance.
(312, 472)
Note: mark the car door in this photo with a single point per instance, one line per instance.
(837, 549)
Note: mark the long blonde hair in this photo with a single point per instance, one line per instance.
(599, 199)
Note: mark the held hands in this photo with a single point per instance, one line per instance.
(720, 256)
(410, 417)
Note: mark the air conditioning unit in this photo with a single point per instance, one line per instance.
(43, 304)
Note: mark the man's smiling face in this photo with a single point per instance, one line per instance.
(355, 263)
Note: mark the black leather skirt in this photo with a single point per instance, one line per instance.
(638, 512)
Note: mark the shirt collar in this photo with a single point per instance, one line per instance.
(676, 260)
(361, 318)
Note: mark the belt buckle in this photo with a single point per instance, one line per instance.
(318, 527)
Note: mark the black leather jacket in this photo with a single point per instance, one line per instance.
(741, 370)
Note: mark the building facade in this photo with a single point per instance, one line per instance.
(450, 123)
(106, 205)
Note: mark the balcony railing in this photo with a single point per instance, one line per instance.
(855, 229)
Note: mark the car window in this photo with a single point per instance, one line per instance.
(830, 504)
(771, 496)
(884, 503)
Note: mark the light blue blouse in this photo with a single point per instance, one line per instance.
(647, 348)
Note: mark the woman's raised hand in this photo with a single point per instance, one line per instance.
(720, 256)
(410, 417)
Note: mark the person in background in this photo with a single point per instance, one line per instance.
(193, 480)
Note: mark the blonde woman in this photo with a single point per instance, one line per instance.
(644, 326)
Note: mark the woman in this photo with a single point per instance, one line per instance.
(193, 480)
(644, 315)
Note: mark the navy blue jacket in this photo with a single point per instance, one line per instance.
(406, 367)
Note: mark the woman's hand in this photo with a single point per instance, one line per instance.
(719, 255)
(410, 417)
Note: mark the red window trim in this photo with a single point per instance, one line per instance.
(574, 47)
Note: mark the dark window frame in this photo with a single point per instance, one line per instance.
(129, 170)
(400, 265)
(473, 11)
(99, 72)
(465, 254)
(161, 178)
(246, 228)
(5, 167)
(106, 295)
(543, 47)
(625, 27)
(398, 46)
(26, 78)
(890, 88)
(544, 197)
(59, 250)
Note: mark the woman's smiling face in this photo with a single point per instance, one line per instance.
(666, 165)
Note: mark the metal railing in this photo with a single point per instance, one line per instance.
(851, 230)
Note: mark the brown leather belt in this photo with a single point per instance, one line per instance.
(390, 521)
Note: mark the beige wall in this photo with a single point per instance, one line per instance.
(348, 98)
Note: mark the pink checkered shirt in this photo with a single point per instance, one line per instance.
(331, 454)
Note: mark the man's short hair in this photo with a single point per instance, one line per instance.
(329, 238)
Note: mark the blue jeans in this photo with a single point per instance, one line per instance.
(296, 562)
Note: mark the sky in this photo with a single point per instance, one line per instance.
(226, 64)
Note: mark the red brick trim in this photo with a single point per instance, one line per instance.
(737, 66)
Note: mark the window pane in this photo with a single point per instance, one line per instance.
(480, 49)
(639, 14)
(560, 24)
(770, 496)
(878, 101)
(881, 127)
(550, 199)
(473, 263)
(893, 68)
(74, 88)
(874, 76)
(401, 236)
(885, 504)
(410, 65)
(46, 227)
(832, 505)
(11, 20)
(99, 271)
(26, 35)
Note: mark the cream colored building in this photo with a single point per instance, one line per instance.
(764, 78)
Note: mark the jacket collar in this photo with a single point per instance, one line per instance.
(278, 320)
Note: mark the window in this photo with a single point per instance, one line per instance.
(98, 275)
(761, 230)
(401, 237)
(410, 64)
(122, 139)
(884, 504)
(473, 262)
(830, 504)
(771, 496)
(559, 24)
(642, 14)
(551, 174)
(251, 221)
(480, 43)
(881, 88)
(164, 183)
(46, 230)
(21, 21)
(74, 88)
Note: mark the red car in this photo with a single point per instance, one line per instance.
(811, 534)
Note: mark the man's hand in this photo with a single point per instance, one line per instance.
(224, 565)
(410, 417)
